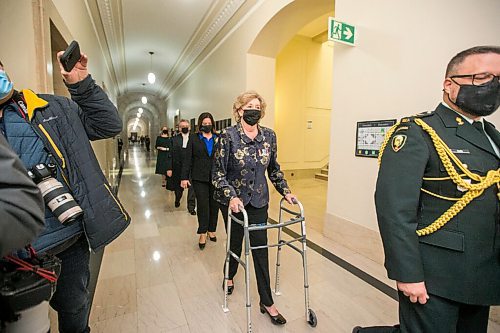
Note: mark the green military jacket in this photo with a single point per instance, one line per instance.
(460, 261)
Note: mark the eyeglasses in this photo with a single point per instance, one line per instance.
(477, 79)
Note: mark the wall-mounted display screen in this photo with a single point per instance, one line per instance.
(370, 135)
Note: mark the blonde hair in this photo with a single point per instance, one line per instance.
(243, 99)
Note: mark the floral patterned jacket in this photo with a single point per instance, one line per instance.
(240, 165)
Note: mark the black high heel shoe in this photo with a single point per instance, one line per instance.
(213, 239)
(276, 320)
(202, 245)
(229, 288)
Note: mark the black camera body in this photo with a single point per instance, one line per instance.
(42, 171)
(23, 289)
(56, 197)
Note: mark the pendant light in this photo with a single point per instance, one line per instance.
(151, 75)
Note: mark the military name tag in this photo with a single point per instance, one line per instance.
(460, 151)
(398, 141)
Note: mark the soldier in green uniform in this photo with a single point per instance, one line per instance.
(437, 202)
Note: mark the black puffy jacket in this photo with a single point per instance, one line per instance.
(66, 126)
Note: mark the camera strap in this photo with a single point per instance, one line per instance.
(49, 275)
(18, 99)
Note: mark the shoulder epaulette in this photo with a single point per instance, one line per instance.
(418, 115)
(424, 114)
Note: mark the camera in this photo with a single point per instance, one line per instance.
(56, 197)
(24, 294)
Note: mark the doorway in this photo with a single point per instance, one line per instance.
(57, 43)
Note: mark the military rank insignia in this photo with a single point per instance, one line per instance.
(398, 141)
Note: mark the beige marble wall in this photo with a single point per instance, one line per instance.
(355, 237)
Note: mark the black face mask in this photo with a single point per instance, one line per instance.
(165, 131)
(251, 116)
(185, 130)
(479, 101)
(206, 128)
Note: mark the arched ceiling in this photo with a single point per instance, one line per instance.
(181, 33)
(305, 17)
(177, 31)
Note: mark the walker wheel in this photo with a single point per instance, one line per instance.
(313, 320)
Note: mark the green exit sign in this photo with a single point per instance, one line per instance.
(341, 32)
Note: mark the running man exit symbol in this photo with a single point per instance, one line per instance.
(341, 32)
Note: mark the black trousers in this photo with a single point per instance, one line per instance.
(438, 315)
(191, 199)
(260, 257)
(208, 208)
(71, 299)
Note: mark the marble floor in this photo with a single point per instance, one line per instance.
(154, 278)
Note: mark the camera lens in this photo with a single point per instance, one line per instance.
(55, 195)
(60, 202)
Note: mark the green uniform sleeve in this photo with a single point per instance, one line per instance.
(397, 201)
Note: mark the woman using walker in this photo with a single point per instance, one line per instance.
(244, 153)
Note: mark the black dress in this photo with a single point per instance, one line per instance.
(161, 159)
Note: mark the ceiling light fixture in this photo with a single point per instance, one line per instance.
(144, 99)
(141, 110)
(151, 75)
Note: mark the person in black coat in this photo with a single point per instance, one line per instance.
(147, 142)
(44, 128)
(119, 142)
(177, 147)
(162, 146)
(197, 166)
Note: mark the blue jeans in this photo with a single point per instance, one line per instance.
(71, 299)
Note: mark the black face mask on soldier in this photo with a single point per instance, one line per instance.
(206, 128)
(481, 100)
(251, 116)
(185, 130)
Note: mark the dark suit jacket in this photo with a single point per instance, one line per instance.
(174, 160)
(197, 164)
(460, 261)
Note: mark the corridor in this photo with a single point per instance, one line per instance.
(340, 84)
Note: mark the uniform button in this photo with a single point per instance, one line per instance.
(466, 166)
(252, 169)
(251, 182)
(249, 194)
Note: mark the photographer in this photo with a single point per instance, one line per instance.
(48, 130)
(21, 205)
